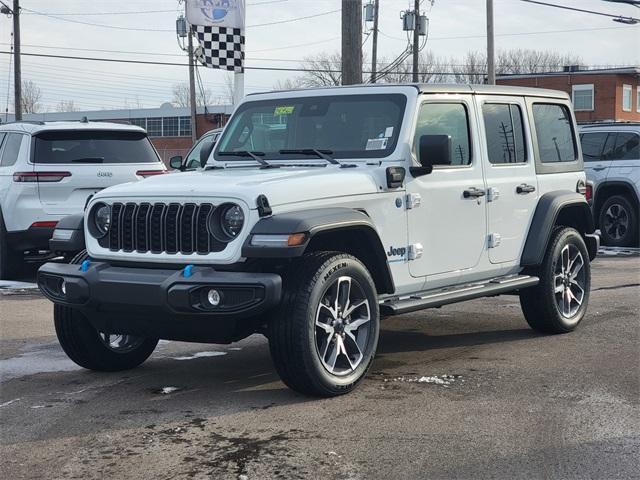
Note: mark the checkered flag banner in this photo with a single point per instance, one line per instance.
(220, 47)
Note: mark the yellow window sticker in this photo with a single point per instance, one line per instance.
(283, 110)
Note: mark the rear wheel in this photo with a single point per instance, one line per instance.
(324, 336)
(559, 302)
(618, 222)
(101, 351)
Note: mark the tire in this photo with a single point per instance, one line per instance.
(547, 307)
(317, 351)
(10, 260)
(618, 221)
(95, 350)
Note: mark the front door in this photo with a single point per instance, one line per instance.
(512, 187)
(449, 224)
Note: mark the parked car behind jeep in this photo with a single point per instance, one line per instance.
(612, 162)
(49, 170)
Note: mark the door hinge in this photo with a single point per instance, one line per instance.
(415, 251)
(492, 194)
(494, 240)
(413, 200)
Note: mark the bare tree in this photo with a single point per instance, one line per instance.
(289, 84)
(31, 96)
(322, 70)
(66, 106)
(181, 97)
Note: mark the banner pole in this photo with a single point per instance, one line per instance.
(238, 88)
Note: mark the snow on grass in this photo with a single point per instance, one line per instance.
(168, 390)
(201, 355)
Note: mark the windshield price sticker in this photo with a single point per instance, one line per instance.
(283, 110)
(388, 132)
(376, 144)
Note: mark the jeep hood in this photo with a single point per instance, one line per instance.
(281, 186)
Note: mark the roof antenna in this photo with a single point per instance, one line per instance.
(84, 120)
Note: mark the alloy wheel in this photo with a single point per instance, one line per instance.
(569, 281)
(120, 343)
(616, 221)
(342, 326)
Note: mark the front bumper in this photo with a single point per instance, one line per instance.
(162, 303)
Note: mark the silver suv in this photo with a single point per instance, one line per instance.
(612, 162)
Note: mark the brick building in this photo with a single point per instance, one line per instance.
(168, 127)
(611, 94)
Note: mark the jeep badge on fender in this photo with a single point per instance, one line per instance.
(198, 257)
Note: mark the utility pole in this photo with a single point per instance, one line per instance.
(416, 40)
(351, 42)
(491, 62)
(192, 87)
(374, 54)
(17, 68)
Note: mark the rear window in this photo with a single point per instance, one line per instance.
(556, 141)
(93, 146)
(593, 145)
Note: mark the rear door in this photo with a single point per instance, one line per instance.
(512, 186)
(73, 165)
(596, 152)
(625, 157)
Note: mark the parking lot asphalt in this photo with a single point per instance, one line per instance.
(465, 391)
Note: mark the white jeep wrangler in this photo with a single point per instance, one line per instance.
(321, 211)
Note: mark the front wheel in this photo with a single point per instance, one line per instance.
(325, 334)
(618, 222)
(94, 350)
(559, 302)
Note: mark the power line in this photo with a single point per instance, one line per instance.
(136, 29)
(582, 10)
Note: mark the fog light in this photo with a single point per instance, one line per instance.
(213, 297)
(63, 288)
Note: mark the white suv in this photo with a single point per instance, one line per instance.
(51, 170)
(321, 211)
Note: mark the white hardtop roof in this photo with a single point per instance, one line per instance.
(427, 88)
(37, 127)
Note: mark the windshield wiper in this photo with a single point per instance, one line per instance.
(324, 154)
(245, 153)
(88, 160)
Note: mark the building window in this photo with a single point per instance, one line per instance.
(139, 122)
(170, 127)
(626, 97)
(185, 126)
(154, 127)
(583, 98)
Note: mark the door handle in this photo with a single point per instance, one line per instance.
(597, 169)
(473, 192)
(524, 188)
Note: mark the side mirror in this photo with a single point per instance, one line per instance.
(176, 162)
(432, 150)
(205, 152)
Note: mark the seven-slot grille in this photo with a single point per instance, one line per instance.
(161, 228)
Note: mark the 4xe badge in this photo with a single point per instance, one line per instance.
(396, 252)
(105, 174)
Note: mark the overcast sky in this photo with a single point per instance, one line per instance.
(93, 85)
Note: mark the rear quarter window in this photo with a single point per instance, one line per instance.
(93, 146)
(554, 131)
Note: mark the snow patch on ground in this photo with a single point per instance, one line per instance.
(619, 251)
(48, 359)
(444, 380)
(168, 390)
(201, 355)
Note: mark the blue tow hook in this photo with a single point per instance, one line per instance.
(188, 271)
(85, 265)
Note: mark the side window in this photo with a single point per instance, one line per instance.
(193, 160)
(592, 146)
(556, 141)
(446, 119)
(11, 149)
(609, 146)
(2, 135)
(505, 135)
(626, 147)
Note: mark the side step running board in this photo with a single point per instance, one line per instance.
(459, 293)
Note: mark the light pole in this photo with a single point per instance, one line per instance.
(491, 62)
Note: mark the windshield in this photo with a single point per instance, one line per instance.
(93, 146)
(349, 126)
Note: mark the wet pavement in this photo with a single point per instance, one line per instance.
(465, 391)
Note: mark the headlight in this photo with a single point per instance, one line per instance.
(226, 222)
(232, 221)
(102, 220)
